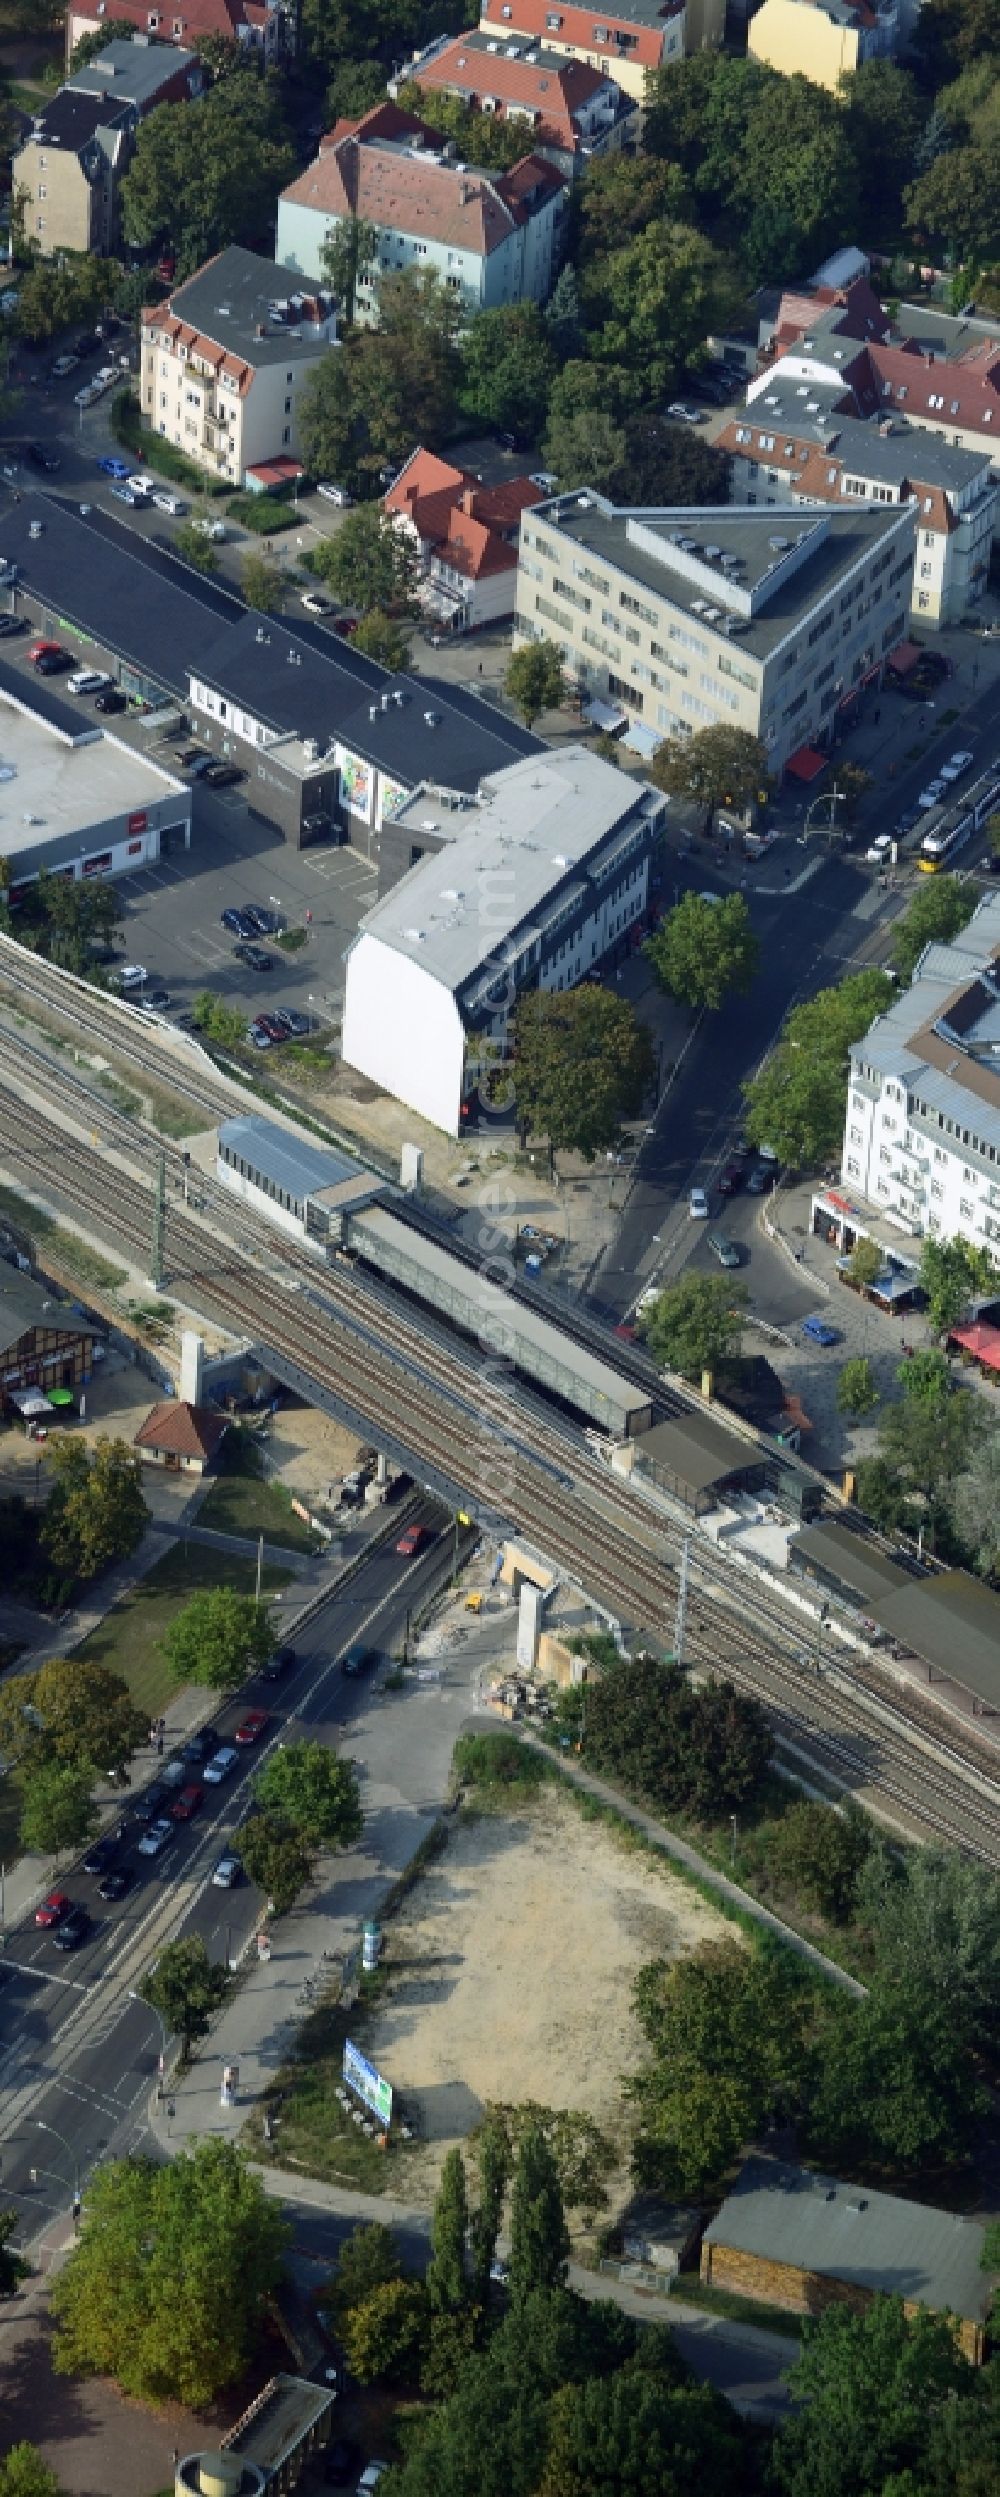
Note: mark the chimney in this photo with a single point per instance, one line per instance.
(469, 500)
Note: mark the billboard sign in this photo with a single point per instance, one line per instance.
(367, 2084)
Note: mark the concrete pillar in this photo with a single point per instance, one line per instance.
(192, 1367)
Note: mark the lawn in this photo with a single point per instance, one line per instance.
(73, 1256)
(312, 2131)
(127, 1640)
(240, 1505)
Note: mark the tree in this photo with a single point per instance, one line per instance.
(581, 1065)
(817, 1852)
(993, 834)
(866, 2389)
(621, 197)
(796, 1104)
(330, 429)
(857, 1393)
(370, 563)
(221, 1023)
(695, 1324)
(185, 1988)
(652, 301)
(57, 1813)
(949, 1274)
(91, 46)
(589, 449)
(277, 1858)
(486, 139)
(727, 2027)
(219, 1638)
(381, 638)
(349, 252)
(892, 2086)
(96, 1513)
(493, 2153)
(933, 1918)
(701, 1751)
(954, 202)
(974, 1505)
(539, 2238)
(666, 463)
(13, 2268)
(69, 1714)
(562, 314)
(885, 117)
(385, 2334)
(23, 2473)
(929, 1439)
(704, 951)
(865, 1262)
(194, 548)
(447, 2287)
(168, 2285)
(261, 582)
(52, 295)
(307, 1786)
(368, 2259)
(509, 362)
(715, 767)
(208, 173)
(939, 910)
(639, 2432)
(535, 680)
(404, 377)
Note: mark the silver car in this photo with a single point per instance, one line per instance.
(220, 1765)
(156, 1837)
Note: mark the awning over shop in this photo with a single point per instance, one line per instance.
(641, 740)
(980, 1341)
(605, 715)
(805, 764)
(32, 1405)
(903, 660)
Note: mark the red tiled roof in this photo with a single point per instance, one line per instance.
(277, 472)
(470, 526)
(178, 21)
(358, 177)
(555, 91)
(180, 1430)
(577, 27)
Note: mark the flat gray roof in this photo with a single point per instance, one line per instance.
(302, 1170)
(235, 296)
(509, 860)
(646, 547)
(785, 2214)
(698, 1451)
(273, 2428)
(949, 334)
(811, 411)
(131, 71)
(50, 788)
(25, 1304)
(953, 1623)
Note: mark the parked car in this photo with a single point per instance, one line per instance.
(53, 1908)
(218, 1768)
(172, 503)
(112, 467)
(197, 765)
(295, 1024)
(73, 1930)
(281, 1662)
(52, 662)
(42, 456)
(254, 957)
(156, 1837)
(879, 851)
(761, 1179)
(88, 681)
(698, 1205)
(208, 528)
(684, 414)
(104, 1850)
(257, 1037)
(816, 1331)
(201, 1745)
(725, 1250)
(63, 365)
(316, 603)
(228, 1872)
(156, 1001)
(43, 650)
(222, 775)
(253, 1726)
(357, 1658)
(412, 1540)
(334, 494)
(370, 2478)
(273, 1030)
(189, 1801)
(263, 922)
(9, 625)
(932, 795)
(151, 1801)
(112, 699)
(731, 1178)
(123, 494)
(238, 922)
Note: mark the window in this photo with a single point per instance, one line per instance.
(965, 1209)
(765, 442)
(288, 407)
(937, 1189)
(286, 434)
(925, 572)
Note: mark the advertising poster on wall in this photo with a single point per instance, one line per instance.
(356, 785)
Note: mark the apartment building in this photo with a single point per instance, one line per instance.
(922, 1126)
(690, 619)
(527, 885)
(466, 535)
(639, 37)
(224, 361)
(490, 238)
(799, 450)
(569, 113)
(825, 40)
(68, 173)
(267, 29)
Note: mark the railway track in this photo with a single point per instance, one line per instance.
(382, 1362)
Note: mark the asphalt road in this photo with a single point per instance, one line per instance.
(77, 2054)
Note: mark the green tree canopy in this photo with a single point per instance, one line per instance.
(586, 448)
(940, 909)
(167, 2287)
(974, 1505)
(369, 563)
(702, 1751)
(893, 2087)
(652, 301)
(381, 638)
(96, 1513)
(857, 1393)
(23, 2472)
(885, 115)
(306, 1785)
(208, 173)
(219, 1638)
(261, 581)
(581, 1065)
(929, 1438)
(621, 197)
(493, 2162)
(951, 1271)
(349, 253)
(539, 2238)
(704, 952)
(185, 1988)
(70, 1714)
(57, 1813)
(695, 1324)
(368, 2259)
(195, 548)
(796, 1104)
(508, 366)
(279, 1859)
(715, 767)
(818, 1852)
(728, 2032)
(330, 426)
(867, 2388)
(404, 376)
(53, 294)
(635, 2432)
(486, 139)
(447, 2285)
(535, 679)
(219, 1022)
(384, 2335)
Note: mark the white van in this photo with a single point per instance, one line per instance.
(335, 494)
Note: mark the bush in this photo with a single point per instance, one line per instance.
(263, 514)
(492, 1760)
(154, 451)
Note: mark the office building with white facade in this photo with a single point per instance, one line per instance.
(491, 238)
(529, 885)
(691, 619)
(922, 1127)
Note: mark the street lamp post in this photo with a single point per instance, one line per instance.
(164, 2036)
(71, 2156)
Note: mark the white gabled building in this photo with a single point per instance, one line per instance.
(529, 885)
(922, 1129)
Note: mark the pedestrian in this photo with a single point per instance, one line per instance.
(480, 667)
(159, 1746)
(876, 715)
(309, 919)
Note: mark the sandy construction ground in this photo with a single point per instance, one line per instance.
(511, 1968)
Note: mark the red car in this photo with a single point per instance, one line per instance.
(53, 1909)
(253, 1726)
(44, 650)
(412, 1541)
(187, 1803)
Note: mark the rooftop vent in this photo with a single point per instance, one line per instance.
(688, 545)
(85, 511)
(295, 658)
(310, 748)
(779, 546)
(415, 935)
(35, 528)
(399, 698)
(373, 710)
(260, 635)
